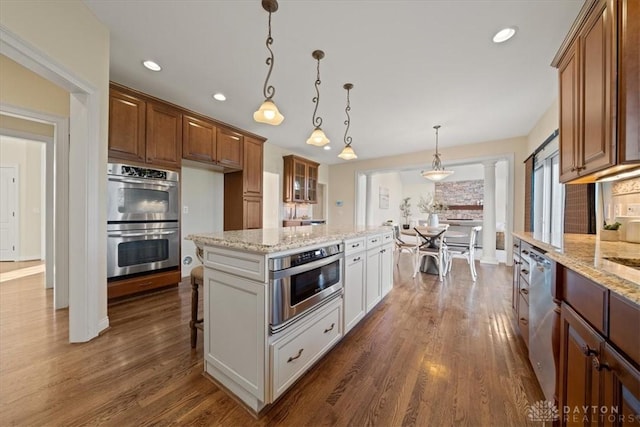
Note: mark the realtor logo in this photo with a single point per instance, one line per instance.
(543, 410)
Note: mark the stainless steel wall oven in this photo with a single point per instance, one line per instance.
(301, 282)
(143, 229)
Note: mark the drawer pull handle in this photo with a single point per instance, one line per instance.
(356, 259)
(523, 320)
(525, 271)
(374, 240)
(526, 252)
(330, 329)
(292, 358)
(355, 245)
(587, 351)
(383, 251)
(525, 291)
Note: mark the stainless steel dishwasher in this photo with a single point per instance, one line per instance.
(541, 318)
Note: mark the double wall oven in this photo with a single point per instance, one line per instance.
(302, 282)
(143, 228)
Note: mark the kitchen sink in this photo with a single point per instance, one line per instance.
(628, 262)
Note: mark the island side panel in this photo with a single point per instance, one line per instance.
(236, 326)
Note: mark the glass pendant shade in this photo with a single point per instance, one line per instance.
(348, 153)
(268, 113)
(436, 175)
(318, 138)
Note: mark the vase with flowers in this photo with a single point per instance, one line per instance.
(429, 204)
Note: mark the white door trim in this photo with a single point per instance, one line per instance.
(16, 214)
(81, 158)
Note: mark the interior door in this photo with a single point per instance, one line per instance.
(8, 213)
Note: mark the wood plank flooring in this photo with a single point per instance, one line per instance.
(430, 354)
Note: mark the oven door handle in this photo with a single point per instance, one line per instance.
(274, 275)
(142, 181)
(150, 233)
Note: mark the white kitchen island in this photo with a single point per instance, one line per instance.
(254, 362)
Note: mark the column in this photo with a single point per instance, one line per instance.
(489, 214)
(370, 201)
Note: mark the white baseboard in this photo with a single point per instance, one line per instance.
(30, 258)
(103, 324)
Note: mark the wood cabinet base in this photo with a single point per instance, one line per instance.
(125, 287)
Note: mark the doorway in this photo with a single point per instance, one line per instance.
(9, 212)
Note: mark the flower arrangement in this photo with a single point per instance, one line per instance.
(430, 204)
(405, 209)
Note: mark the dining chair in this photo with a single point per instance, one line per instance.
(401, 245)
(432, 246)
(466, 251)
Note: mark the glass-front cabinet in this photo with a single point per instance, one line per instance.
(300, 180)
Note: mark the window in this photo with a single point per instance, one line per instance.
(548, 195)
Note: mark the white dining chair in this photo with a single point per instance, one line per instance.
(466, 251)
(433, 247)
(401, 245)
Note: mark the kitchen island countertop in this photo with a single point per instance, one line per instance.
(587, 255)
(269, 240)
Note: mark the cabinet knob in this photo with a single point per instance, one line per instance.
(292, 358)
(330, 329)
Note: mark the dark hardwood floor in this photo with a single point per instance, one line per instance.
(430, 354)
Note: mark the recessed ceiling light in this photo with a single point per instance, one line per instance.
(151, 65)
(219, 96)
(504, 35)
(327, 147)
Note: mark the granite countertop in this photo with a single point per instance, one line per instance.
(269, 240)
(586, 254)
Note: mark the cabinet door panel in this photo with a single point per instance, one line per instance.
(579, 381)
(229, 151)
(569, 115)
(386, 269)
(252, 213)
(253, 152)
(164, 135)
(198, 139)
(629, 90)
(621, 391)
(312, 184)
(597, 60)
(373, 278)
(354, 294)
(126, 126)
(299, 181)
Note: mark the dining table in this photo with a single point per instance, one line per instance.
(429, 233)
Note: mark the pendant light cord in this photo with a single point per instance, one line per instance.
(317, 121)
(269, 90)
(347, 139)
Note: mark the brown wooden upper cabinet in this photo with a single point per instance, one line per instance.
(300, 180)
(142, 130)
(164, 135)
(127, 130)
(199, 138)
(252, 174)
(592, 141)
(229, 151)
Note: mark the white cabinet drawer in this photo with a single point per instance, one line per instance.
(354, 245)
(387, 237)
(374, 241)
(293, 354)
(243, 264)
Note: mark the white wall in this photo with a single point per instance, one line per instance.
(545, 126)
(202, 196)
(28, 156)
(392, 182)
(415, 191)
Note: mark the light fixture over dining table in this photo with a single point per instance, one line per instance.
(438, 172)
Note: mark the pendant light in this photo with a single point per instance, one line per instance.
(268, 112)
(347, 152)
(317, 138)
(438, 173)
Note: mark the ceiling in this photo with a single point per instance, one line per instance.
(414, 64)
